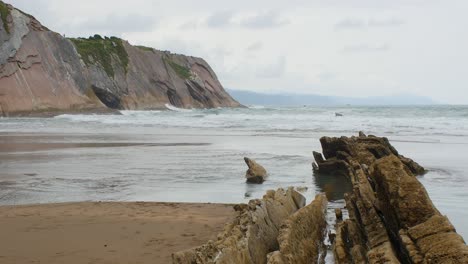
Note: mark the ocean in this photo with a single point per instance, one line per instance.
(197, 155)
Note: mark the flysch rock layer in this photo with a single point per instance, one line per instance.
(391, 217)
(301, 235)
(42, 71)
(263, 226)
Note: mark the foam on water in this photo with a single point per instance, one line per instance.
(392, 121)
(280, 138)
(173, 108)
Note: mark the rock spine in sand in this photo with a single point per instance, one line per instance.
(391, 217)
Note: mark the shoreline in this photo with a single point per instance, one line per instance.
(107, 232)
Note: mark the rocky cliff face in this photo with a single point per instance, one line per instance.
(41, 70)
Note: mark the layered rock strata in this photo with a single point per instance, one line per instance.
(273, 223)
(391, 217)
(301, 235)
(42, 71)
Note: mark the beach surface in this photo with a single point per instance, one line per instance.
(106, 232)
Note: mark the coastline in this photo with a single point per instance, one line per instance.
(55, 112)
(107, 232)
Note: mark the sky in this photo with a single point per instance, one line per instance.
(354, 48)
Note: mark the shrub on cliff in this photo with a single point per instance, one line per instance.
(101, 50)
(4, 13)
(182, 71)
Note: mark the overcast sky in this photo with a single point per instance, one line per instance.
(329, 47)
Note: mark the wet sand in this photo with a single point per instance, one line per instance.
(106, 232)
(10, 143)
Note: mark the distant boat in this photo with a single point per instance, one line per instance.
(338, 114)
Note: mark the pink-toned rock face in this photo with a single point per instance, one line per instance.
(42, 71)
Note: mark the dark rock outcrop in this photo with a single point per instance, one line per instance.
(41, 70)
(256, 173)
(391, 217)
(343, 155)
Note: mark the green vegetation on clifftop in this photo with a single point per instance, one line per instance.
(145, 48)
(4, 13)
(182, 71)
(101, 50)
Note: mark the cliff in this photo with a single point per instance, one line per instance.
(42, 71)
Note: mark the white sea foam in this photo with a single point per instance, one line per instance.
(173, 108)
(281, 138)
(292, 121)
(256, 107)
(139, 112)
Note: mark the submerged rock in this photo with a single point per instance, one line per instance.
(391, 217)
(256, 173)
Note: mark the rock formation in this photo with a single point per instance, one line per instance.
(391, 217)
(256, 173)
(343, 155)
(301, 235)
(42, 71)
(254, 232)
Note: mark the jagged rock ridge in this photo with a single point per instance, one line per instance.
(275, 229)
(41, 70)
(391, 217)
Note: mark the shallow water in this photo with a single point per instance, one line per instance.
(197, 155)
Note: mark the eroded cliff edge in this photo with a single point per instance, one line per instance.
(41, 71)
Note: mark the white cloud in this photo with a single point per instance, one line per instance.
(220, 19)
(255, 46)
(115, 25)
(274, 69)
(356, 23)
(268, 19)
(366, 48)
(335, 47)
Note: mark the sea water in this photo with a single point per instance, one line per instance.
(197, 155)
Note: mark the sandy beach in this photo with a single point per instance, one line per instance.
(106, 232)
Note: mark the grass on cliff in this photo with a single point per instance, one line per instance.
(97, 49)
(4, 13)
(182, 71)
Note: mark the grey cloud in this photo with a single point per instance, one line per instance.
(269, 19)
(189, 25)
(116, 25)
(263, 20)
(350, 24)
(326, 76)
(220, 19)
(255, 46)
(366, 48)
(355, 23)
(385, 22)
(274, 70)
